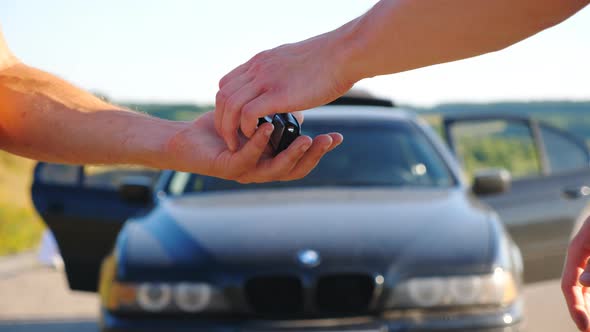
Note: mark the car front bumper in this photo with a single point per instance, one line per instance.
(508, 319)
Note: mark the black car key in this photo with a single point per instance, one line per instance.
(286, 130)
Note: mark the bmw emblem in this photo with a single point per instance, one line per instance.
(309, 258)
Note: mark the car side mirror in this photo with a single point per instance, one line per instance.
(136, 189)
(491, 181)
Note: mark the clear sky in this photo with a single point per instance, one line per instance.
(177, 50)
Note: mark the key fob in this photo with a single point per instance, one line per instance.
(286, 130)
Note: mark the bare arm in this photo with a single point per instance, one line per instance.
(394, 36)
(45, 118)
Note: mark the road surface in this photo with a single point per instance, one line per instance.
(35, 298)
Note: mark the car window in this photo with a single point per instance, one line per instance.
(396, 154)
(496, 144)
(564, 153)
(111, 177)
(59, 174)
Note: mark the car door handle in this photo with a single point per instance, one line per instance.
(576, 192)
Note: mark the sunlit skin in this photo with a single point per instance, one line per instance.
(45, 118)
(575, 282)
(394, 36)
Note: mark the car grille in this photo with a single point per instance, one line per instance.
(331, 295)
(344, 294)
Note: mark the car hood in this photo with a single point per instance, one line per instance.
(387, 231)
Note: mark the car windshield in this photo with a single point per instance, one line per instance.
(391, 154)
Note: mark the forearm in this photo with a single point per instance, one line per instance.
(45, 118)
(400, 35)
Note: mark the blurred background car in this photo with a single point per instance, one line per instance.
(550, 181)
(383, 235)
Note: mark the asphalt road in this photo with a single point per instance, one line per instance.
(35, 298)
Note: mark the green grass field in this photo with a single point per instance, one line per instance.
(20, 226)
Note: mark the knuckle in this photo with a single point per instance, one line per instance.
(263, 84)
(226, 79)
(220, 97)
(222, 82)
(564, 287)
(260, 56)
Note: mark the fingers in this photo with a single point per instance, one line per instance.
(248, 156)
(295, 162)
(321, 145)
(298, 116)
(276, 168)
(265, 104)
(574, 298)
(571, 283)
(224, 95)
(231, 114)
(239, 70)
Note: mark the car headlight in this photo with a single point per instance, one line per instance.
(164, 298)
(154, 297)
(161, 297)
(193, 297)
(497, 288)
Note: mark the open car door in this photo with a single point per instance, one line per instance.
(550, 171)
(84, 208)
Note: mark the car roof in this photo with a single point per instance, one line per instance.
(358, 112)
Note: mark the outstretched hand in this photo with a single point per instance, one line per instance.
(575, 282)
(285, 79)
(198, 148)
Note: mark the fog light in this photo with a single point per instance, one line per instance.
(192, 297)
(154, 297)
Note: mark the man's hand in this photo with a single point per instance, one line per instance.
(47, 119)
(286, 79)
(199, 148)
(576, 278)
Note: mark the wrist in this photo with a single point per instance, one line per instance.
(151, 143)
(349, 48)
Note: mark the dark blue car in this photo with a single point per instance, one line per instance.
(384, 235)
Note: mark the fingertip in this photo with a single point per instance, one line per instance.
(305, 140)
(337, 137)
(267, 128)
(248, 130)
(248, 123)
(299, 116)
